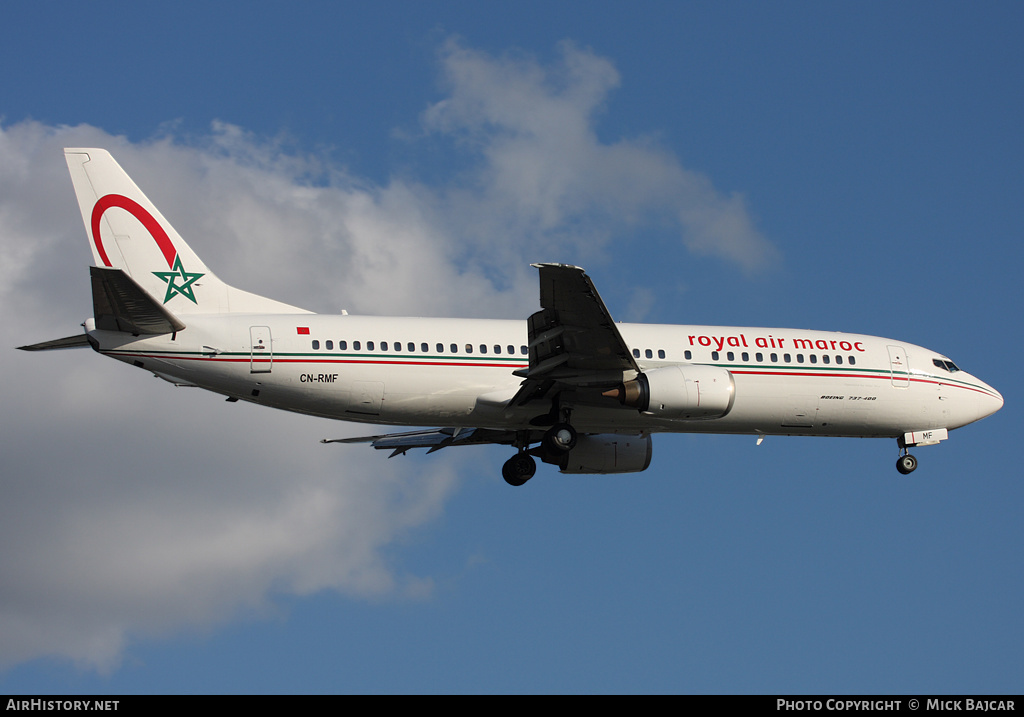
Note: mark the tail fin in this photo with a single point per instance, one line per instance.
(127, 232)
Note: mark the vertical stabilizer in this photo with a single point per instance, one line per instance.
(127, 232)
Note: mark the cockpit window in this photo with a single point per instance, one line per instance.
(946, 365)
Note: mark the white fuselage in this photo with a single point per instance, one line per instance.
(459, 372)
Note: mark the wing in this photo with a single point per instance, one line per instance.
(434, 440)
(573, 343)
(573, 340)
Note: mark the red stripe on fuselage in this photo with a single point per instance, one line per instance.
(275, 359)
(268, 359)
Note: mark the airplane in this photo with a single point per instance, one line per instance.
(569, 386)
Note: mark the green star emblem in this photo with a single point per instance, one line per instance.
(173, 286)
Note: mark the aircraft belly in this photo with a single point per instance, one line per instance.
(423, 395)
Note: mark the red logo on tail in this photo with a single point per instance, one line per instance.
(136, 210)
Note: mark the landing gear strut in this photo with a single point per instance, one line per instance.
(906, 463)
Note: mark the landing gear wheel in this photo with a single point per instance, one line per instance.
(518, 469)
(560, 438)
(906, 464)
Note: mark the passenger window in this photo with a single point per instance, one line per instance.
(383, 345)
(746, 356)
(454, 348)
(852, 360)
(687, 355)
(523, 350)
(356, 346)
(329, 345)
(424, 347)
(316, 345)
(483, 348)
(661, 353)
(469, 348)
(787, 358)
(759, 357)
(730, 356)
(839, 359)
(497, 349)
(343, 345)
(824, 359)
(648, 353)
(511, 350)
(799, 358)
(369, 346)
(814, 358)
(636, 353)
(775, 358)
(714, 355)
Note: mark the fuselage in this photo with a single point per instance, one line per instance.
(567, 386)
(459, 372)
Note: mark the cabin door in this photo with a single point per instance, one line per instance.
(898, 366)
(261, 353)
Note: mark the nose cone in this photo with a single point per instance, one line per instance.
(984, 401)
(992, 402)
(967, 400)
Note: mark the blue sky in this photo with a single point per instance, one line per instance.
(853, 167)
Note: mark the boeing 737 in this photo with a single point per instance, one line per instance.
(568, 386)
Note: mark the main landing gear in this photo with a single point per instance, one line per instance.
(906, 463)
(519, 468)
(557, 441)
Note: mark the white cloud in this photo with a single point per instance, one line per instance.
(131, 508)
(546, 178)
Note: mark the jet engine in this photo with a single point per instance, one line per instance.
(688, 392)
(607, 453)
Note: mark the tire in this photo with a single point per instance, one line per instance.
(906, 464)
(518, 469)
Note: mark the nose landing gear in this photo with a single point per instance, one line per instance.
(906, 463)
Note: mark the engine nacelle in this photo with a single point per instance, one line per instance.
(608, 453)
(688, 392)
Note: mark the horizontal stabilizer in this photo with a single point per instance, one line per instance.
(120, 304)
(71, 342)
